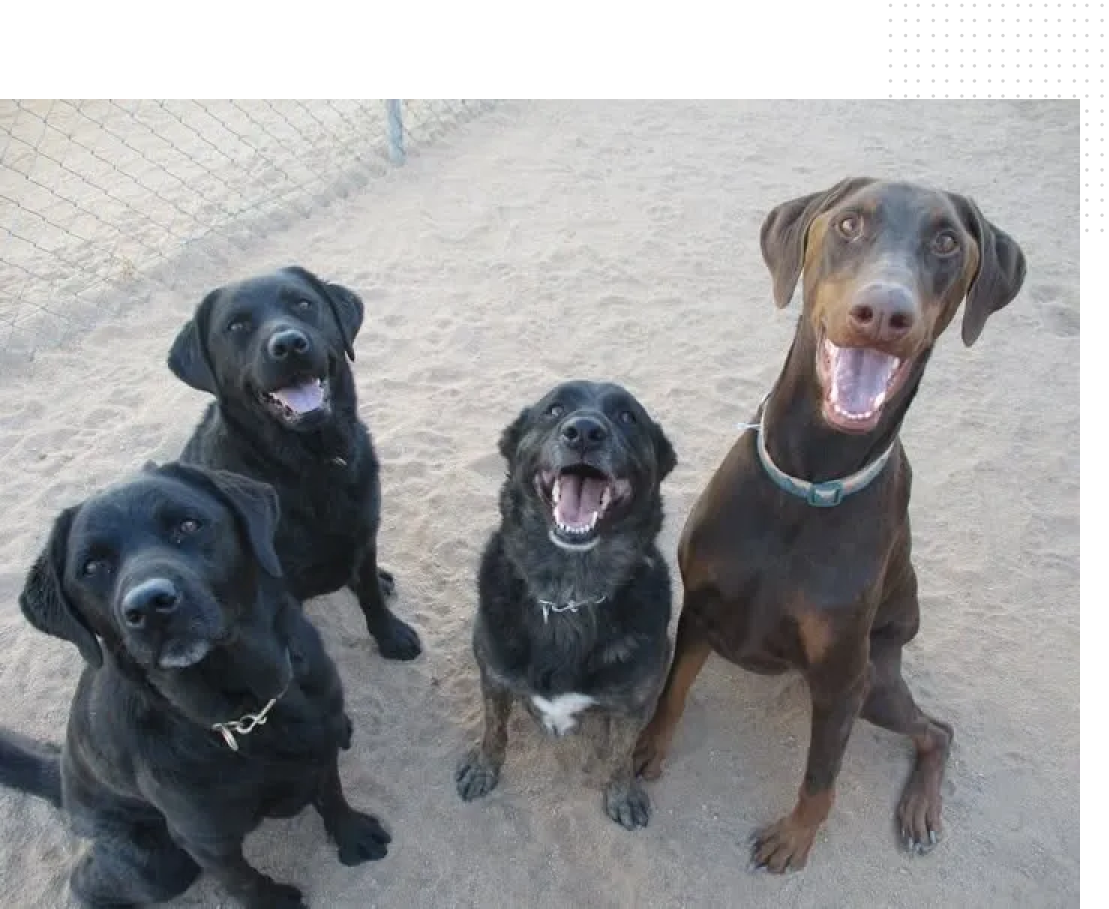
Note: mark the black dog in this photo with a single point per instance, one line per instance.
(273, 350)
(207, 703)
(574, 597)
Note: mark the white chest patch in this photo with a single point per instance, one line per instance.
(560, 714)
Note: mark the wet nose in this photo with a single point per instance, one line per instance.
(883, 311)
(287, 341)
(582, 433)
(156, 596)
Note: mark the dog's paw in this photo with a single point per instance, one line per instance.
(628, 804)
(387, 581)
(276, 896)
(782, 846)
(399, 641)
(919, 813)
(476, 776)
(361, 838)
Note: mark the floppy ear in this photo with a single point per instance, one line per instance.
(512, 434)
(348, 310)
(44, 602)
(255, 505)
(1001, 269)
(665, 456)
(188, 357)
(783, 233)
(346, 306)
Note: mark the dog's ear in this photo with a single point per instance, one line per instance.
(255, 505)
(665, 457)
(1001, 269)
(44, 601)
(512, 434)
(783, 234)
(188, 357)
(346, 306)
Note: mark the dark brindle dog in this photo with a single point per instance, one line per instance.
(797, 554)
(273, 350)
(574, 597)
(207, 704)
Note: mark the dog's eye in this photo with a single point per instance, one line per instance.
(627, 416)
(304, 303)
(850, 226)
(189, 525)
(242, 323)
(93, 567)
(556, 410)
(944, 243)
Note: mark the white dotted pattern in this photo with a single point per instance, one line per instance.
(1009, 50)
(1093, 164)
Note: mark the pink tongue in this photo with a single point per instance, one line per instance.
(859, 377)
(579, 497)
(301, 398)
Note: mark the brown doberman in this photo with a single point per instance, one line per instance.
(797, 555)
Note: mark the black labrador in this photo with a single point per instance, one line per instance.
(207, 702)
(574, 596)
(273, 351)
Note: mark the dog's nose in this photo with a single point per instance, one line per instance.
(883, 311)
(156, 596)
(287, 341)
(582, 433)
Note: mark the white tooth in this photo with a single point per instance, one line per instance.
(880, 400)
(556, 490)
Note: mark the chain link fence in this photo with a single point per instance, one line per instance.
(99, 197)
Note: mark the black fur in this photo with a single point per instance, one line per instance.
(322, 465)
(143, 773)
(613, 647)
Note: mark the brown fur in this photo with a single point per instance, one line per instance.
(751, 552)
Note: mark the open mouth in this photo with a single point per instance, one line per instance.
(580, 498)
(297, 401)
(857, 383)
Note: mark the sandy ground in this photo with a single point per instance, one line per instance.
(619, 241)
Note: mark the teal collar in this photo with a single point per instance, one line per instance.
(820, 495)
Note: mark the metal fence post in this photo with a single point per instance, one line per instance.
(396, 131)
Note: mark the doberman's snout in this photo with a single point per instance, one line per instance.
(150, 599)
(582, 433)
(883, 311)
(286, 342)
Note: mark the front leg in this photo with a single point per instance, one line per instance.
(691, 650)
(785, 844)
(395, 639)
(360, 837)
(214, 840)
(626, 801)
(479, 771)
(251, 888)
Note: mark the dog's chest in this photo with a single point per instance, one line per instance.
(559, 714)
(326, 520)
